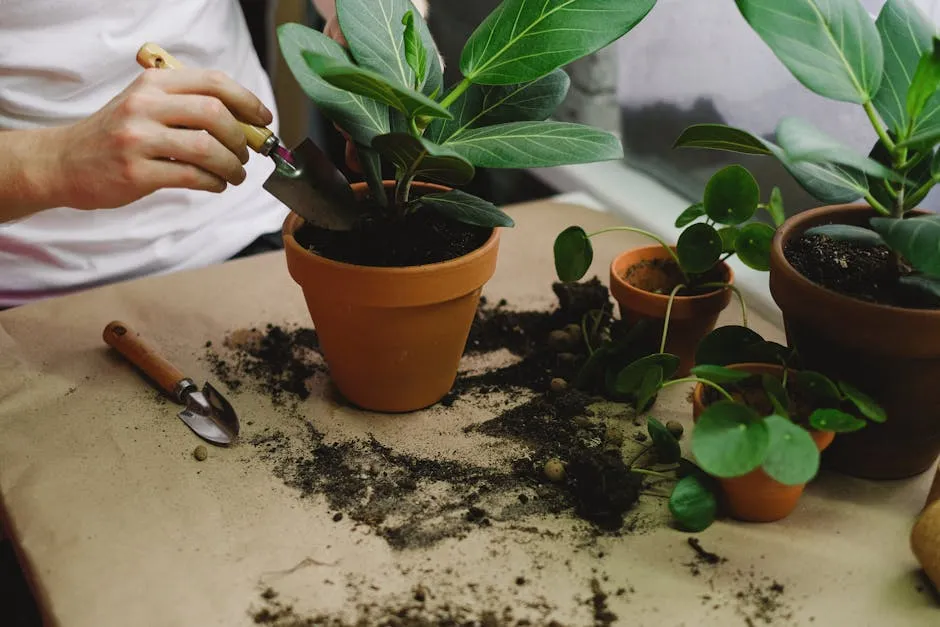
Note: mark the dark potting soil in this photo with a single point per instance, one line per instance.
(388, 491)
(419, 238)
(866, 273)
(661, 276)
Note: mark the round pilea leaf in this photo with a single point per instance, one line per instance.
(729, 440)
(699, 248)
(649, 386)
(690, 215)
(573, 254)
(631, 377)
(865, 404)
(729, 238)
(666, 444)
(792, 457)
(731, 195)
(827, 419)
(753, 245)
(719, 374)
(730, 344)
(693, 504)
(817, 385)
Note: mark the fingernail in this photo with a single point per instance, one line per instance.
(265, 114)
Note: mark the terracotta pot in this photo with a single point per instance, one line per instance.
(756, 497)
(691, 318)
(392, 337)
(891, 353)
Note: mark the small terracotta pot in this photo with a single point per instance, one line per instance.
(392, 337)
(756, 497)
(891, 353)
(691, 318)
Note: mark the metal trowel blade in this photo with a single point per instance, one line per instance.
(314, 188)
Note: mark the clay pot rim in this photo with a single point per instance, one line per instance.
(663, 298)
(753, 367)
(793, 227)
(294, 222)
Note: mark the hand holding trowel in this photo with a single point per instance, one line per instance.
(304, 179)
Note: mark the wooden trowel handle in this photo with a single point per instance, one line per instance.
(151, 55)
(140, 353)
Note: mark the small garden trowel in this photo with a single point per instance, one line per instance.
(207, 412)
(305, 178)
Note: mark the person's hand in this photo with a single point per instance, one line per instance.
(168, 129)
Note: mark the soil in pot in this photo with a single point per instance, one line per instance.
(866, 273)
(661, 276)
(751, 392)
(419, 238)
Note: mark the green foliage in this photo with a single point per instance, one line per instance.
(386, 91)
(889, 66)
(693, 502)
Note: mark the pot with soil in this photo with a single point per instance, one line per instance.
(393, 299)
(392, 334)
(682, 289)
(847, 315)
(859, 286)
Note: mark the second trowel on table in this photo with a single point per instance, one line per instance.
(305, 178)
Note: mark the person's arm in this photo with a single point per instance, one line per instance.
(167, 129)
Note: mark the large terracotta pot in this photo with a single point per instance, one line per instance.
(891, 353)
(691, 318)
(392, 337)
(756, 497)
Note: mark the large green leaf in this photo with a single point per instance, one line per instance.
(698, 248)
(630, 379)
(345, 75)
(792, 457)
(916, 239)
(375, 34)
(863, 402)
(690, 215)
(824, 181)
(803, 142)
(485, 105)
(415, 53)
(466, 208)
(731, 195)
(905, 36)
(831, 46)
(753, 245)
(719, 374)
(535, 145)
(925, 82)
(361, 117)
(424, 159)
(729, 439)
(926, 288)
(522, 40)
(830, 419)
(730, 344)
(371, 162)
(721, 137)
(574, 254)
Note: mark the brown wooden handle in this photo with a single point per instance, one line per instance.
(151, 55)
(140, 353)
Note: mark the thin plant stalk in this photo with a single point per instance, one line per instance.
(672, 298)
(660, 241)
(737, 293)
(705, 382)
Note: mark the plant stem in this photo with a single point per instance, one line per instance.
(658, 495)
(737, 293)
(877, 206)
(651, 473)
(642, 452)
(403, 190)
(584, 332)
(413, 125)
(921, 192)
(876, 123)
(887, 185)
(456, 93)
(672, 298)
(698, 380)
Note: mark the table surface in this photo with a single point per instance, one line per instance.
(117, 524)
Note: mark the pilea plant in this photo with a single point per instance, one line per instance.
(891, 69)
(740, 431)
(714, 229)
(387, 93)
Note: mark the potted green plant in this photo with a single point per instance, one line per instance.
(393, 299)
(859, 285)
(683, 288)
(760, 427)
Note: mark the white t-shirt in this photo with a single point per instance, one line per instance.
(62, 60)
